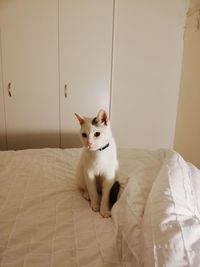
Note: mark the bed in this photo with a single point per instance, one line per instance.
(44, 220)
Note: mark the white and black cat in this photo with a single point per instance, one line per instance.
(98, 164)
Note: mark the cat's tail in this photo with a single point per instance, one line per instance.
(114, 194)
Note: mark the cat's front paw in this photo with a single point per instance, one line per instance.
(105, 212)
(95, 205)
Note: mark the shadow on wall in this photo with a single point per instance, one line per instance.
(27, 140)
(70, 140)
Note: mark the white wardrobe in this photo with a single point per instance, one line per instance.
(30, 72)
(58, 57)
(85, 49)
(55, 60)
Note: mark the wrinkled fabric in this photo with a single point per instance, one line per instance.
(157, 218)
(171, 223)
(44, 220)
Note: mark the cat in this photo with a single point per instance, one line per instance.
(98, 164)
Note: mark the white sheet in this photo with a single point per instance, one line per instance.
(44, 221)
(157, 217)
(172, 217)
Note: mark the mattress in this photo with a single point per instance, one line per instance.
(44, 220)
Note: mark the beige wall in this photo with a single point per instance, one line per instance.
(2, 117)
(187, 138)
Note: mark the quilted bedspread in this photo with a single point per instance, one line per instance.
(45, 222)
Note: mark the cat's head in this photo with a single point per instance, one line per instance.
(95, 132)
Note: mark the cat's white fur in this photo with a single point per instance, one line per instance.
(96, 170)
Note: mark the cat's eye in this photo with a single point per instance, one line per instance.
(97, 134)
(84, 135)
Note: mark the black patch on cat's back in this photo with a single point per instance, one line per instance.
(114, 194)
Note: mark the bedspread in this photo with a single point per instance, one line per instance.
(44, 220)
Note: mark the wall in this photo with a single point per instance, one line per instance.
(187, 139)
(148, 45)
(147, 55)
(2, 117)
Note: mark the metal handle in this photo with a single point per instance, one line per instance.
(9, 89)
(65, 91)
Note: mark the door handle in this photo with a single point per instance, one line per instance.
(65, 90)
(9, 89)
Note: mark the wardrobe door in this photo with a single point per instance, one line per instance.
(146, 71)
(85, 38)
(29, 35)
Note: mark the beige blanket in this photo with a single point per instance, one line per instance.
(45, 222)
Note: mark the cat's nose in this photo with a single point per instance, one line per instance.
(89, 143)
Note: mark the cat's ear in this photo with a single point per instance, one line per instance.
(80, 119)
(102, 117)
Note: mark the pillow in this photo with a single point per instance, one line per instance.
(171, 222)
(138, 170)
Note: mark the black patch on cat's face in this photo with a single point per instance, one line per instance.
(94, 121)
